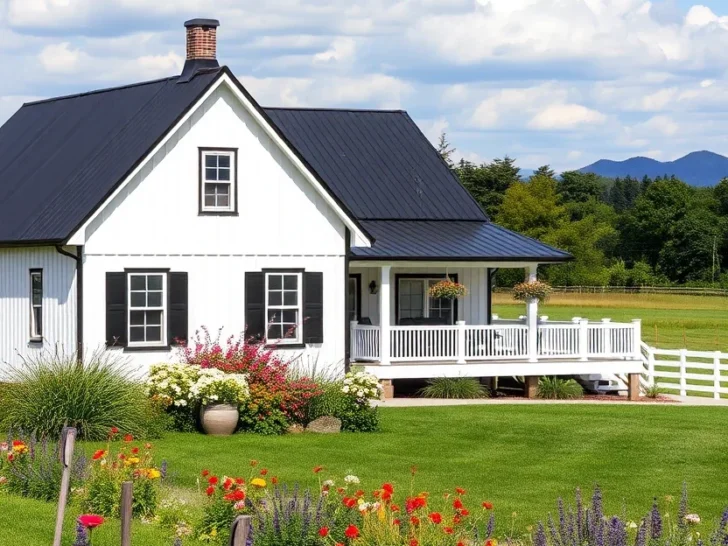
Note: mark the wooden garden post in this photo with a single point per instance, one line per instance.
(68, 442)
(127, 494)
(240, 531)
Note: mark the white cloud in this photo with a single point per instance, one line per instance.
(565, 116)
(661, 124)
(342, 49)
(61, 58)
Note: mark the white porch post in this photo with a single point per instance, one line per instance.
(637, 326)
(353, 352)
(384, 315)
(532, 316)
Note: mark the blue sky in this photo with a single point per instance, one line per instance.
(560, 82)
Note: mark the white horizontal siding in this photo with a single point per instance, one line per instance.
(217, 299)
(59, 302)
(473, 308)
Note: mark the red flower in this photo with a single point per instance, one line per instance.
(488, 505)
(135, 450)
(388, 488)
(90, 521)
(274, 480)
(394, 508)
(460, 543)
(464, 512)
(359, 493)
(448, 530)
(414, 542)
(210, 491)
(352, 531)
(11, 457)
(413, 503)
(98, 455)
(205, 473)
(435, 518)
(457, 519)
(323, 532)
(386, 496)
(489, 542)
(414, 520)
(396, 521)
(264, 472)
(457, 504)
(460, 490)
(128, 438)
(349, 502)
(317, 469)
(212, 480)
(228, 484)
(240, 481)
(114, 431)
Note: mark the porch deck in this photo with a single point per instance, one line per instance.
(515, 349)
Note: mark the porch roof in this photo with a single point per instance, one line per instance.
(452, 240)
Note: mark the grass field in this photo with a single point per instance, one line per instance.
(519, 457)
(698, 323)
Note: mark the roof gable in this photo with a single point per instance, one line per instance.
(377, 162)
(62, 157)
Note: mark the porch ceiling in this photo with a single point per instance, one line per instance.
(452, 241)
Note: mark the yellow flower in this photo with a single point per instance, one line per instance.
(258, 482)
(153, 473)
(131, 460)
(213, 533)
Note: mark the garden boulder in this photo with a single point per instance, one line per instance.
(325, 425)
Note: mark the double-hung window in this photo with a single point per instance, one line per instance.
(415, 302)
(147, 309)
(283, 307)
(36, 304)
(218, 181)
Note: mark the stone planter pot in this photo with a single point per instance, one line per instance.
(219, 419)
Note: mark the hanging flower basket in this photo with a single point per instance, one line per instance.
(447, 289)
(532, 290)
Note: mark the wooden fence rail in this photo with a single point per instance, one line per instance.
(673, 290)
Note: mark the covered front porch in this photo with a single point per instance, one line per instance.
(398, 332)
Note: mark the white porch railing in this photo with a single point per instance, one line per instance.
(462, 343)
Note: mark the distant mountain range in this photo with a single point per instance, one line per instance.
(697, 168)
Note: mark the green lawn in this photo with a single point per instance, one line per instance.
(698, 323)
(519, 457)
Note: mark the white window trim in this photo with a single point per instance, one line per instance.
(299, 327)
(163, 308)
(34, 335)
(203, 180)
(426, 309)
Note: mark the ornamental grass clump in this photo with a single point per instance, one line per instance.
(556, 388)
(454, 388)
(526, 291)
(53, 390)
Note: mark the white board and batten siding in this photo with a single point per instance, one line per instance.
(473, 308)
(59, 302)
(282, 223)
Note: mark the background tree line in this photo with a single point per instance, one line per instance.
(622, 232)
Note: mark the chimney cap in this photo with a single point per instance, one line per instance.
(202, 23)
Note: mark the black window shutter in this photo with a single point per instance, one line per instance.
(116, 310)
(177, 316)
(255, 322)
(313, 307)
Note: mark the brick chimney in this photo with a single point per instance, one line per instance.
(201, 47)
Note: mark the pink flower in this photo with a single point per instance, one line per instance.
(90, 521)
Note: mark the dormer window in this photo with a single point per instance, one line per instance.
(218, 181)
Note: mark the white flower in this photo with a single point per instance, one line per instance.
(345, 390)
(329, 483)
(692, 519)
(351, 480)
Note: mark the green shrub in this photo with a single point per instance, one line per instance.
(556, 388)
(51, 391)
(357, 415)
(454, 387)
(331, 401)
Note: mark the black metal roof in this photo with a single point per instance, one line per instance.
(452, 240)
(61, 158)
(378, 162)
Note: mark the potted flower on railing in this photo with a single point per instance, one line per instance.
(220, 395)
(534, 290)
(447, 289)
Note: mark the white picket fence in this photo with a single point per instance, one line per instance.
(686, 372)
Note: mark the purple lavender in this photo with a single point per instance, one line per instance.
(682, 510)
(641, 539)
(491, 526)
(540, 538)
(177, 542)
(579, 516)
(655, 522)
(81, 536)
(616, 533)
